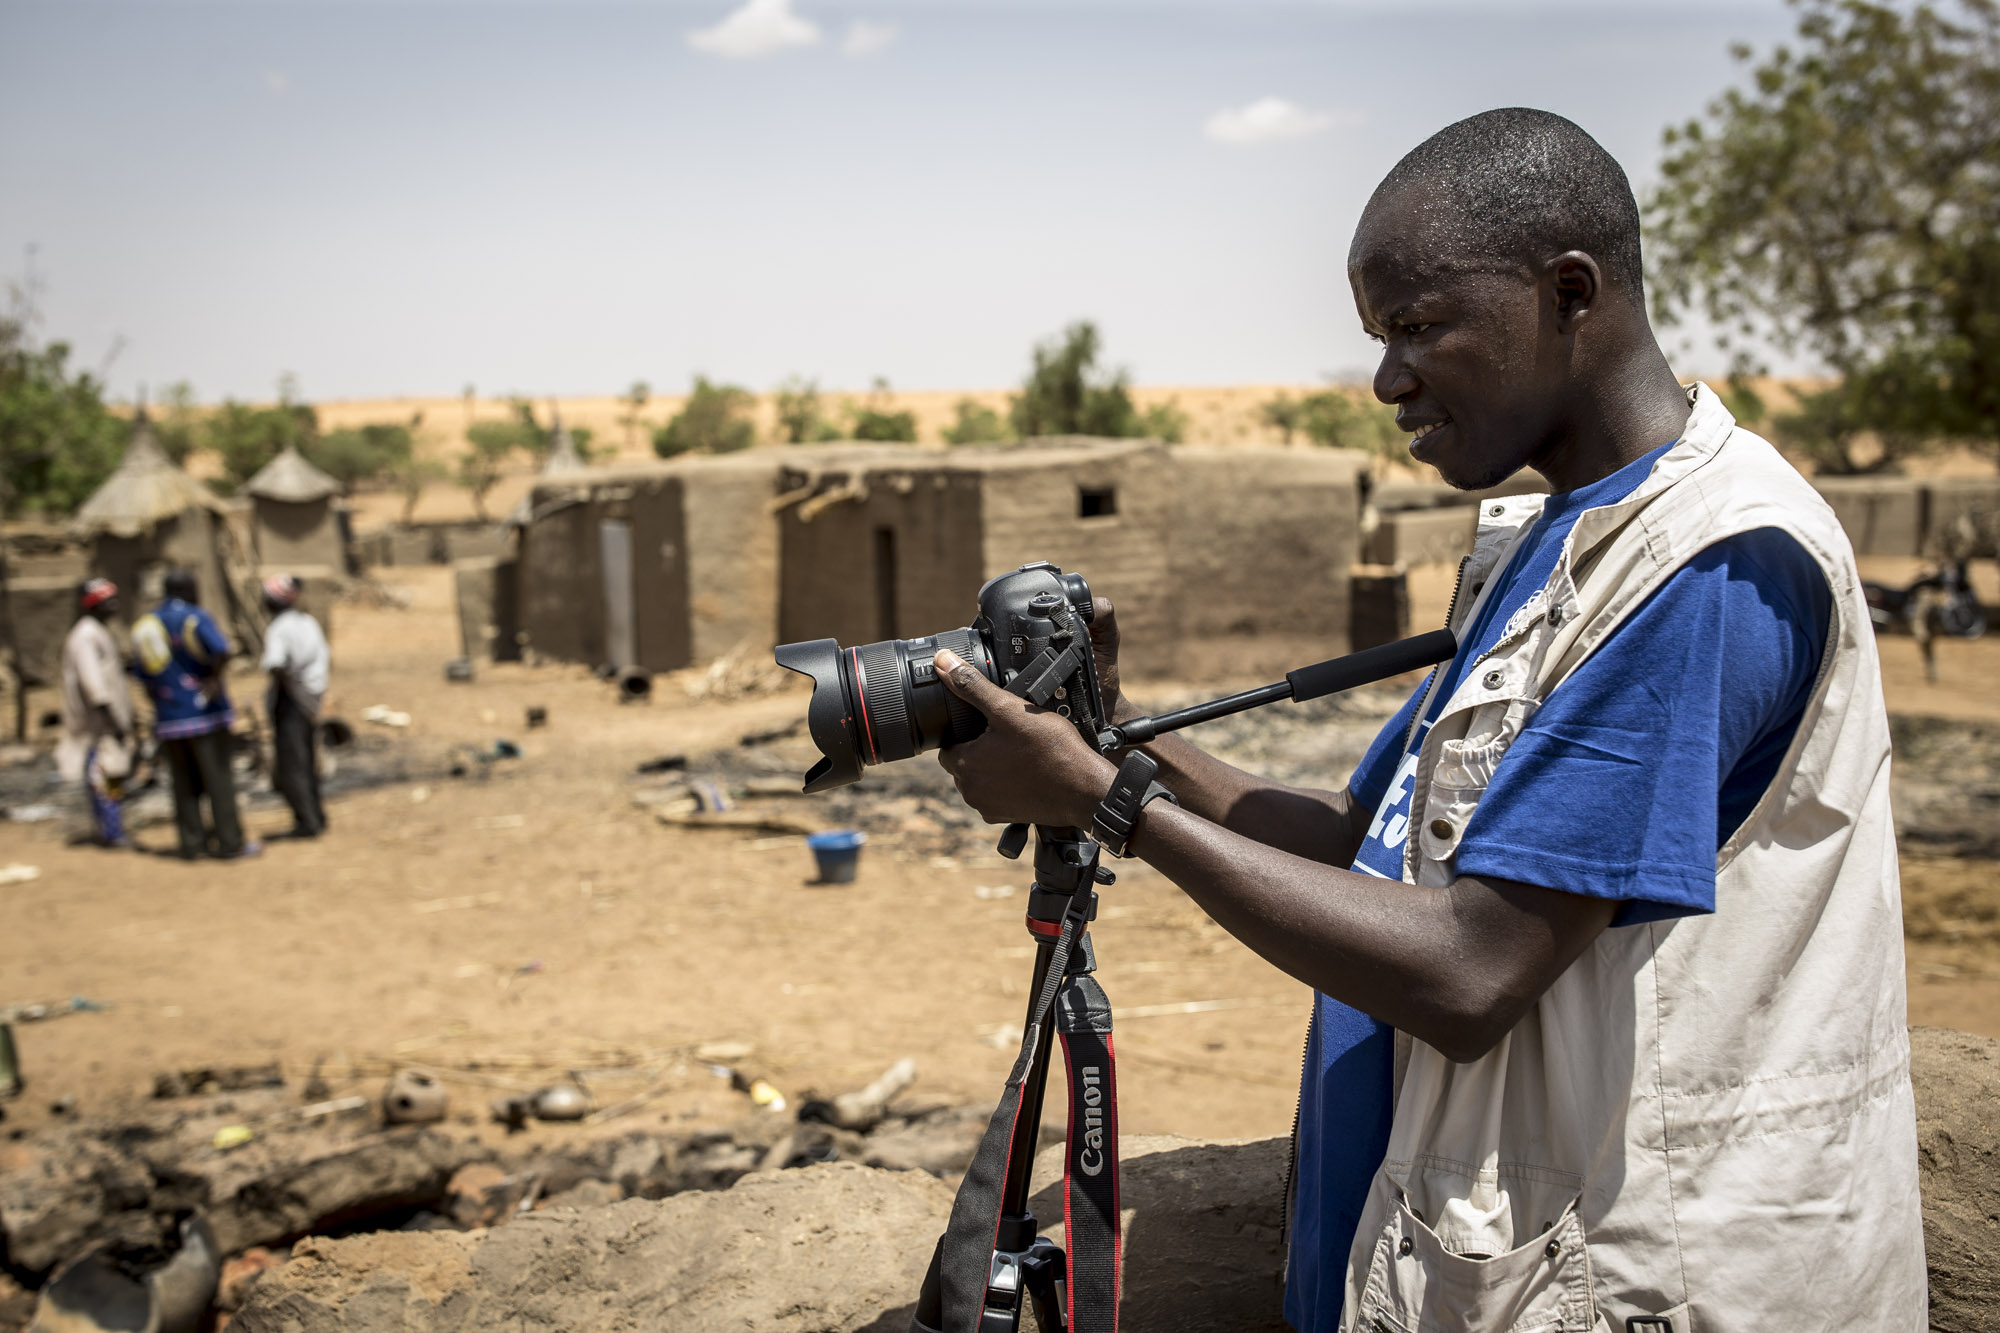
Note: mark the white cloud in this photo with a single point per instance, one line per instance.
(1272, 118)
(865, 37)
(759, 28)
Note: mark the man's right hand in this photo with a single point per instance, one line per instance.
(1104, 648)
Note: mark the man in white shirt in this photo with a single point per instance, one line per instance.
(96, 712)
(297, 657)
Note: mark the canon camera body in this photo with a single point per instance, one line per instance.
(884, 701)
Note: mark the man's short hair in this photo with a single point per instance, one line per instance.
(1524, 185)
(181, 583)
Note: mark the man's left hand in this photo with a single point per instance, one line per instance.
(1030, 765)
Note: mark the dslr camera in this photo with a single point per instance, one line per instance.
(883, 701)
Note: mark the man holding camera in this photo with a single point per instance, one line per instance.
(1606, 928)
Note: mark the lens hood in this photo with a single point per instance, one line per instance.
(829, 717)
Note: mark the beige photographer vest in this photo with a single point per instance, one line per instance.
(1706, 1123)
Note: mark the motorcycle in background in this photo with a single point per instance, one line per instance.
(1940, 602)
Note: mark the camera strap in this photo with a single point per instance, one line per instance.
(1072, 997)
(1090, 1159)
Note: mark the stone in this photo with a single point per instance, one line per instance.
(1957, 1079)
(585, 1194)
(835, 1248)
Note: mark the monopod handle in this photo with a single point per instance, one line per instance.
(1330, 677)
(1372, 664)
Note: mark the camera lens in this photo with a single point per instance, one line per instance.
(883, 701)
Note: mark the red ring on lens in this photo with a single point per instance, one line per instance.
(861, 692)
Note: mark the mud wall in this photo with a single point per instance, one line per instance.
(729, 554)
(1261, 547)
(872, 549)
(1109, 511)
(288, 534)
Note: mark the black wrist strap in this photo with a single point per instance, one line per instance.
(1118, 813)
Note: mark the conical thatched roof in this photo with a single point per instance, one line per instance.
(563, 460)
(290, 477)
(144, 491)
(563, 456)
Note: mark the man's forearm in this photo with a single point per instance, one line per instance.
(1455, 967)
(1318, 825)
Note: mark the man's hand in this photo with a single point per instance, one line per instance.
(1030, 766)
(1104, 649)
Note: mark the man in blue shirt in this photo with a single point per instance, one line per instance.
(1499, 268)
(181, 654)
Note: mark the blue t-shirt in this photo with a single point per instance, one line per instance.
(1676, 724)
(180, 654)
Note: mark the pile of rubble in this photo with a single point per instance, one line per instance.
(228, 1166)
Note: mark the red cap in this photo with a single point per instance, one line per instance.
(96, 592)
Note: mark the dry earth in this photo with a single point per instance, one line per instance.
(528, 918)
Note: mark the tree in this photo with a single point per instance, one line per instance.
(715, 420)
(635, 401)
(798, 409)
(1064, 394)
(58, 441)
(875, 419)
(481, 466)
(245, 437)
(1164, 421)
(1340, 419)
(975, 423)
(1847, 204)
(1283, 414)
(356, 454)
(410, 476)
(177, 423)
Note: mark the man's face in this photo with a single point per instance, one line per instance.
(1470, 357)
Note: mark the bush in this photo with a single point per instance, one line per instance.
(874, 419)
(714, 421)
(975, 423)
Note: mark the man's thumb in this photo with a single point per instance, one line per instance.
(963, 679)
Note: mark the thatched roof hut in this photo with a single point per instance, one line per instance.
(145, 490)
(296, 521)
(291, 479)
(150, 516)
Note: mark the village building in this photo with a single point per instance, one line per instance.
(149, 516)
(297, 522)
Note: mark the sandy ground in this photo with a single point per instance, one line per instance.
(528, 919)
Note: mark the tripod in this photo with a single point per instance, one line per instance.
(987, 1275)
(1027, 1268)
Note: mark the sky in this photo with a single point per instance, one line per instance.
(565, 196)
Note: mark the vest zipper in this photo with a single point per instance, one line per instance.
(1298, 1106)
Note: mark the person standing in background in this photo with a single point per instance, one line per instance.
(298, 660)
(96, 745)
(181, 654)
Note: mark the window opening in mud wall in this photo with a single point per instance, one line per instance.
(1096, 501)
(885, 583)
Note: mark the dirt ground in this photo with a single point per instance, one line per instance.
(528, 918)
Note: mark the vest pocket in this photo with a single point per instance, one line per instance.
(1416, 1285)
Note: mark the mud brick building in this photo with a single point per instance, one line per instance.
(1205, 551)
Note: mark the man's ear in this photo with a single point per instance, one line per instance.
(1577, 282)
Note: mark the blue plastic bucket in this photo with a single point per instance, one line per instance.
(838, 852)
